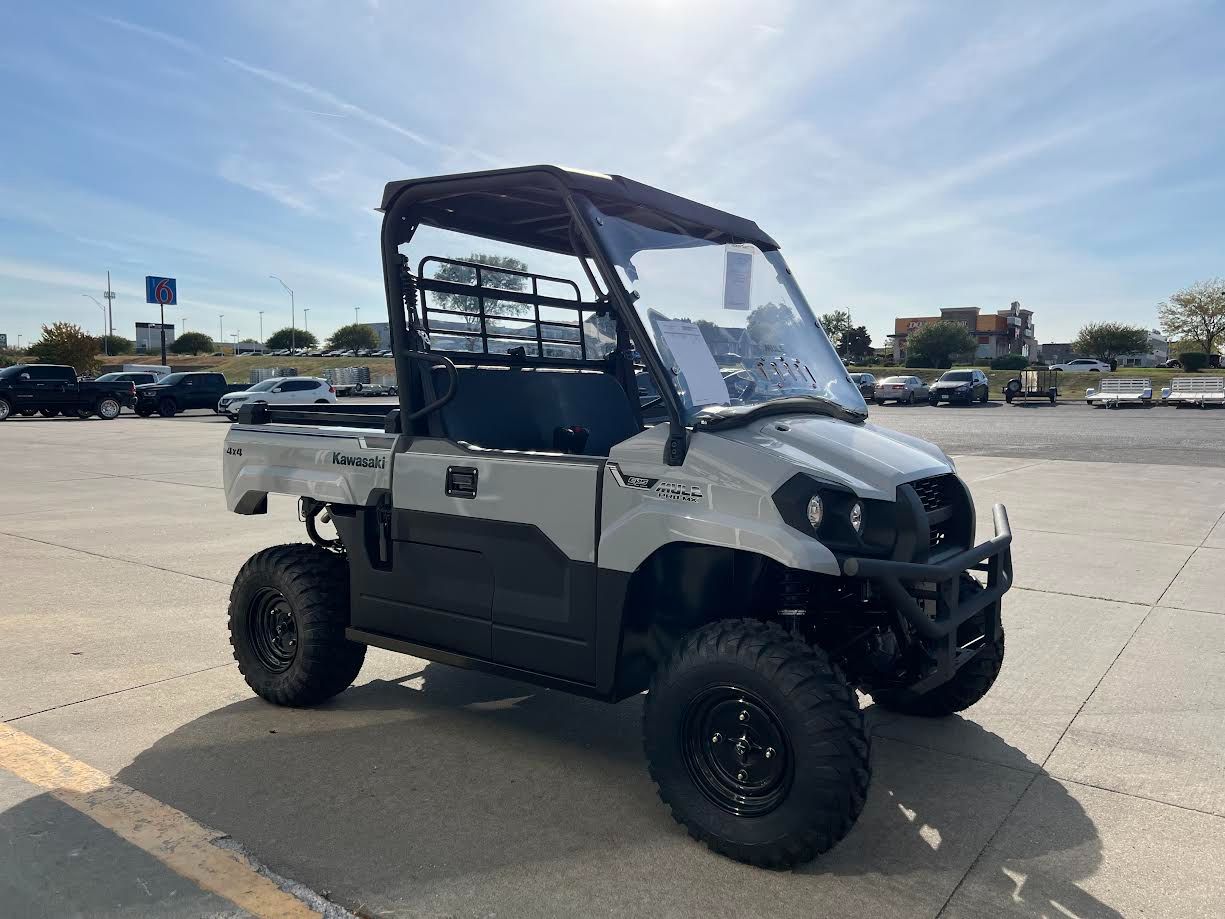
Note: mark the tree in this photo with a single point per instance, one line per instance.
(1196, 314)
(353, 337)
(1107, 340)
(771, 325)
(67, 343)
(117, 344)
(192, 343)
(836, 324)
(856, 342)
(937, 343)
(462, 274)
(291, 338)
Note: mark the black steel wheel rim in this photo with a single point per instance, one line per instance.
(736, 750)
(273, 630)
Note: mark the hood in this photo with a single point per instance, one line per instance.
(951, 384)
(147, 387)
(871, 460)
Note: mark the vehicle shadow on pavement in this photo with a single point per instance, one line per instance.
(448, 790)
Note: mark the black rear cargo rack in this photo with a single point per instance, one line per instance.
(375, 417)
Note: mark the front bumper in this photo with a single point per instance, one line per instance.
(938, 586)
(950, 395)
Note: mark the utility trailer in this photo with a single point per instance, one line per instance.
(1116, 391)
(1033, 384)
(1197, 390)
(750, 552)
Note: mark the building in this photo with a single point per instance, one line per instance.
(382, 330)
(149, 336)
(248, 346)
(1058, 352)
(1158, 352)
(1009, 331)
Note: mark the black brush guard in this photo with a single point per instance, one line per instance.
(900, 582)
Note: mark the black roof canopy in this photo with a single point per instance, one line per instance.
(527, 206)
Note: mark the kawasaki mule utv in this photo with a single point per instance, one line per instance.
(573, 492)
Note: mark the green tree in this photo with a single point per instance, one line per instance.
(353, 337)
(291, 338)
(856, 342)
(117, 344)
(771, 325)
(1107, 340)
(462, 274)
(67, 343)
(836, 324)
(937, 343)
(1196, 314)
(192, 343)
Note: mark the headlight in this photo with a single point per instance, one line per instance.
(815, 511)
(857, 517)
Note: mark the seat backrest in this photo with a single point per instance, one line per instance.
(1125, 384)
(1198, 384)
(519, 408)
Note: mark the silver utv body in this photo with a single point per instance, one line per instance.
(569, 568)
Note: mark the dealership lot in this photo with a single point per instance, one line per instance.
(1090, 782)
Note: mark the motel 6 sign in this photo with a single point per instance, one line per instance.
(161, 291)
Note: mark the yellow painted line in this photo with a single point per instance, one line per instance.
(169, 835)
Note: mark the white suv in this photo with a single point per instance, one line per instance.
(1083, 365)
(279, 391)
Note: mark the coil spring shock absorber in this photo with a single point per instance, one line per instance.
(794, 595)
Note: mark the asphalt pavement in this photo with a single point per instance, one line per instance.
(1090, 782)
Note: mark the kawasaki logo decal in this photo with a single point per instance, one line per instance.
(361, 462)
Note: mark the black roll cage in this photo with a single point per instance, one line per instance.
(540, 207)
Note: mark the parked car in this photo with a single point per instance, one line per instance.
(136, 379)
(900, 389)
(867, 385)
(181, 392)
(1083, 365)
(1173, 364)
(959, 386)
(279, 391)
(53, 389)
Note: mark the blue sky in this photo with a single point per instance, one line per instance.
(907, 156)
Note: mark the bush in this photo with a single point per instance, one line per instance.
(1010, 362)
(919, 360)
(1193, 360)
(192, 343)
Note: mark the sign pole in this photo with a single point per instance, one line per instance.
(163, 331)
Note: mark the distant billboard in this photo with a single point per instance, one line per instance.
(149, 336)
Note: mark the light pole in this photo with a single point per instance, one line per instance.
(234, 335)
(106, 338)
(306, 327)
(356, 310)
(293, 318)
(221, 327)
(110, 302)
(261, 327)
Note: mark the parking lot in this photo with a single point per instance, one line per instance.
(1090, 782)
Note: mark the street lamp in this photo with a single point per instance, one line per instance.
(221, 327)
(106, 339)
(293, 318)
(261, 327)
(356, 310)
(305, 320)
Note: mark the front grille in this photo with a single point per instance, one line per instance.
(938, 495)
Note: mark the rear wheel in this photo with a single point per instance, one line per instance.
(288, 611)
(143, 411)
(6, 409)
(84, 413)
(167, 408)
(968, 685)
(108, 409)
(756, 743)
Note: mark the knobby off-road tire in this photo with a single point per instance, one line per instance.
(756, 744)
(288, 611)
(968, 685)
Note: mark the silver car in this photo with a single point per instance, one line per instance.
(901, 389)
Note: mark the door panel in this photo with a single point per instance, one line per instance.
(529, 529)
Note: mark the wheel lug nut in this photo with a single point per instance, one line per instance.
(744, 716)
(769, 752)
(716, 738)
(742, 775)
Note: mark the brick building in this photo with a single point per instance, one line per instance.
(1009, 331)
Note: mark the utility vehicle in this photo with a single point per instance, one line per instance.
(532, 509)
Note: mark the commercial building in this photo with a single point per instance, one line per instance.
(1009, 331)
(1157, 353)
(149, 336)
(382, 330)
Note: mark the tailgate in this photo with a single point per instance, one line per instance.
(333, 465)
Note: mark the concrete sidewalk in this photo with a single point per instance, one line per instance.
(1090, 782)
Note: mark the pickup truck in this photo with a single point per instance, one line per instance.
(52, 389)
(179, 392)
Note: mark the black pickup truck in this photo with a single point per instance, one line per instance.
(179, 392)
(52, 389)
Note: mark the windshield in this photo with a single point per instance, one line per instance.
(957, 376)
(266, 385)
(698, 299)
(172, 378)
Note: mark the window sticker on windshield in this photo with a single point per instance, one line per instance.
(702, 380)
(737, 278)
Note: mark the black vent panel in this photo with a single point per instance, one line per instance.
(936, 493)
(941, 498)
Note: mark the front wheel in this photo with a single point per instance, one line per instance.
(167, 408)
(288, 611)
(756, 743)
(143, 411)
(6, 409)
(84, 413)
